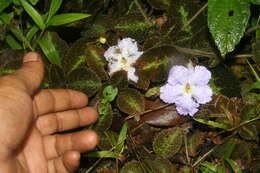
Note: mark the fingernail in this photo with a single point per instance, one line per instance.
(30, 57)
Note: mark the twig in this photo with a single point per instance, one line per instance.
(147, 111)
(195, 15)
(186, 149)
(203, 157)
(253, 71)
(142, 11)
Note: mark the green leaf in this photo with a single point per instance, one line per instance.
(121, 138)
(66, 18)
(34, 14)
(109, 94)
(6, 17)
(208, 167)
(85, 80)
(168, 142)
(132, 167)
(105, 117)
(256, 2)
(33, 2)
(130, 101)
(13, 43)
(212, 123)
(55, 5)
(234, 165)
(4, 4)
(255, 85)
(227, 21)
(49, 49)
(31, 33)
(102, 154)
(95, 59)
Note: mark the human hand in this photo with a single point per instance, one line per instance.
(29, 120)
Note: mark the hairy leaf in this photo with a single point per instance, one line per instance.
(130, 101)
(168, 142)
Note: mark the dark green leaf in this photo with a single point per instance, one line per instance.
(85, 80)
(255, 85)
(130, 101)
(34, 14)
(256, 2)
(159, 165)
(160, 4)
(4, 4)
(49, 49)
(66, 18)
(132, 167)
(168, 142)
(96, 60)
(227, 21)
(105, 117)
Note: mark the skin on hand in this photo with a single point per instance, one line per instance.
(30, 119)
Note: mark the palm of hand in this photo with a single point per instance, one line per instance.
(29, 123)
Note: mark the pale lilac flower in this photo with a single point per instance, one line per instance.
(187, 87)
(122, 57)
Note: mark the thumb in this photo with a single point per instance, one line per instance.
(30, 75)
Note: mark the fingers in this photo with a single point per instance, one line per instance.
(28, 78)
(66, 163)
(61, 121)
(57, 145)
(48, 101)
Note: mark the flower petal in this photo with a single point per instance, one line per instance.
(178, 74)
(131, 74)
(186, 102)
(201, 76)
(111, 53)
(166, 94)
(202, 94)
(184, 111)
(114, 67)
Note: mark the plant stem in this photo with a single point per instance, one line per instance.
(203, 157)
(147, 111)
(142, 11)
(195, 15)
(253, 71)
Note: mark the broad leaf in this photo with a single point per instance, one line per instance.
(162, 115)
(130, 101)
(34, 14)
(105, 117)
(85, 80)
(66, 18)
(132, 167)
(159, 165)
(227, 21)
(168, 142)
(95, 60)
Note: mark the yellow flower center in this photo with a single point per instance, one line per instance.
(187, 88)
(124, 62)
